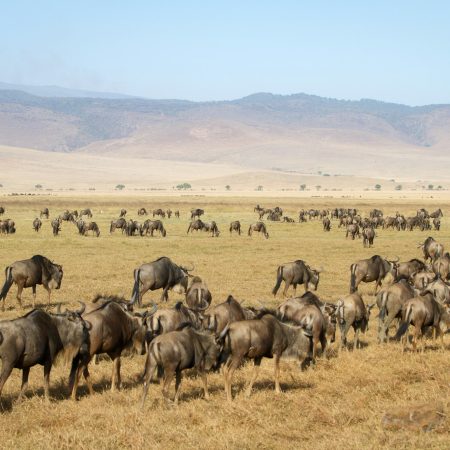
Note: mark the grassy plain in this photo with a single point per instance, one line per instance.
(339, 403)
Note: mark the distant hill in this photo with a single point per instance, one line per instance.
(263, 131)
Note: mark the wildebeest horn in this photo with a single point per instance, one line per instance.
(189, 269)
(58, 309)
(151, 311)
(82, 309)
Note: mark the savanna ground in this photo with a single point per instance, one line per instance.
(339, 403)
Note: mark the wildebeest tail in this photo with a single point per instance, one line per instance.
(384, 299)
(1, 338)
(135, 294)
(8, 283)
(279, 280)
(352, 278)
(405, 324)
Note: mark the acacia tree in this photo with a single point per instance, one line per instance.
(120, 187)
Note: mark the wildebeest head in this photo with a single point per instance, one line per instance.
(56, 275)
(181, 285)
(314, 277)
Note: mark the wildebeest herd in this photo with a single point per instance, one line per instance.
(196, 333)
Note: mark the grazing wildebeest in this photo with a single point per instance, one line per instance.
(212, 228)
(258, 227)
(373, 269)
(441, 266)
(351, 312)
(437, 214)
(431, 249)
(390, 301)
(437, 223)
(149, 226)
(368, 235)
(352, 230)
(112, 331)
(406, 269)
(142, 212)
(37, 224)
(159, 274)
(120, 223)
(294, 273)
(288, 219)
(56, 226)
(123, 212)
(173, 352)
(44, 213)
(196, 212)
(86, 212)
(423, 311)
(159, 212)
(91, 226)
(67, 216)
(2, 210)
(256, 339)
(133, 228)
(38, 338)
(29, 273)
(326, 222)
(198, 296)
(235, 226)
(196, 225)
(80, 226)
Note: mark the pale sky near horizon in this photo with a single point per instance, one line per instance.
(395, 51)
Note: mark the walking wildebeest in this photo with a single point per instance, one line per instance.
(37, 224)
(390, 301)
(294, 273)
(256, 339)
(326, 222)
(423, 311)
(373, 269)
(29, 273)
(149, 226)
(351, 312)
(159, 274)
(352, 230)
(44, 213)
(38, 338)
(56, 226)
(120, 223)
(198, 296)
(196, 212)
(112, 330)
(431, 249)
(123, 212)
(91, 226)
(368, 235)
(173, 352)
(235, 226)
(258, 227)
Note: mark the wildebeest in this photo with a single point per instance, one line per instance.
(169, 213)
(133, 227)
(441, 266)
(91, 226)
(7, 226)
(80, 226)
(352, 312)
(56, 226)
(420, 280)
(86, 212)
(408, 268)
(212, 228)
(112, 331)
(294, 273)
(437, 214)
(158, 212)
(196, 225)
(44, 213)
(176, 351)
(149, 226)
(123, 212)
(177, 214)
(67, 216)
(368, 235)
(423, 311)
(142, 212)
(437, 223)
(37, 224)
(258, 227)
(431, 249)
(198, 296)
(440, 290)
(196, 212)
(235, 226)
(120, 223)
(390, 301)
(326, 222)
(288, 219)
(352, 230)
(2, 210)
(29, 273)
(160, 274)
(38, 338)
(373, 269)
(256, 339)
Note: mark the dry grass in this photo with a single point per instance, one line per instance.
(340, 403)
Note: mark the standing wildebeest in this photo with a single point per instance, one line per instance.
(261, 338)
(259, 227)
(297, 272)
(437, 223)
(149, 226)
(37, 224)
(169, 213)
(390, 301)
(29, 273)
(120, 223)
(212, 228)
(406, 269)
(67, 216)
(423, 311)
(7, 226)
(2, 210)
(431, 249)
(158, 212)
(195, 225)
(235, 226)
(368, 235)
(326, 222)
(133, 227)
(440, 290)
(159, 274)
(86, 212)
(197, 212)
(420, 280)
(177, 214)
(91, 226)
(441, 266)
(56, 226)
(351, 312)
(198, 296)
(437, 214)
(178, 350)
(123, 212)
(44, 213)
(142, 212)
(80, 226)
(38, 338)
(373, 269)
(352, 230)
(112, 330)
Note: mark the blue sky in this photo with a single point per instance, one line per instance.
(212, 50)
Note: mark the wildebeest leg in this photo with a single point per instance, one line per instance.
(34, 295)
(257, 363)
(19, 294)
(25, 373)
(205, 384)
(6, 372)
(49, 291)
(229, 368)
(356, 339)
(87, 377)
(47, 369)
(168, 377)
(178, 380)
(277, 373)
(115, 377)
